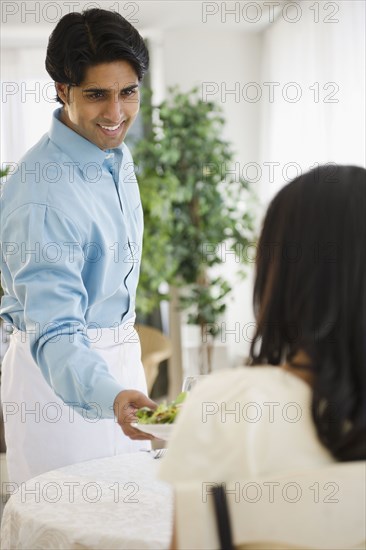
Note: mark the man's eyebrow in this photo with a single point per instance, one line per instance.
(129, 88)
(109, 90)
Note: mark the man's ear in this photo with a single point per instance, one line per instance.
(62, 91)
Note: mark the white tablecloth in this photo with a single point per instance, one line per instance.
(107, 503)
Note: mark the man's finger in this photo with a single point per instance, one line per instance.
(144, 401)
(134, 433)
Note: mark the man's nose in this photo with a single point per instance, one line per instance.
(113, 108)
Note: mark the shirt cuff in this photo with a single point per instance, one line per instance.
(102, 406)
(106, 393)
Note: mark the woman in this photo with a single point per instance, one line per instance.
(306, 405)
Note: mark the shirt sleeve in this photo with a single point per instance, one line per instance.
(45, 269)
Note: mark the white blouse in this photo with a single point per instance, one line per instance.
(238, 424)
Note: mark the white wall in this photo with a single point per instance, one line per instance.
(200, 58)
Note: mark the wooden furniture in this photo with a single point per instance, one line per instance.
(155, 348)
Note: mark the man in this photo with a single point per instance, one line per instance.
(72, 234)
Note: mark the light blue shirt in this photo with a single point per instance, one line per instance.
(71, 232)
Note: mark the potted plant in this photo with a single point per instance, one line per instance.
(192, 209)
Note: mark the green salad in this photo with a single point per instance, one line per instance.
(163, 414)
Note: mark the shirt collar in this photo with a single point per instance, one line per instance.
(79, 149)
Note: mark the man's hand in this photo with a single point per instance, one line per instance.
(125, 406)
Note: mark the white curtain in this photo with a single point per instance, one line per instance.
(323, 56)
(27, 101)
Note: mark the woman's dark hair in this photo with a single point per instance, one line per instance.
(310, 296)
(82, 40)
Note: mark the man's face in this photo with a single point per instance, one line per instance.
(105, 104)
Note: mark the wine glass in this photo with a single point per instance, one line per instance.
(190, 381)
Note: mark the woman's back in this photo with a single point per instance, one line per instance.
(241, 423)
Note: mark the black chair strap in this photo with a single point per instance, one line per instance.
(222, 518)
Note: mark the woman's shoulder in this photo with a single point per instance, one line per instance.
(263, 379)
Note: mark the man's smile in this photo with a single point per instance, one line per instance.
(111, 131)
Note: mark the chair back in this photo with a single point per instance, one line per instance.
(155, 348)
(315, 509)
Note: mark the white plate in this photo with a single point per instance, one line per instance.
(162, 431)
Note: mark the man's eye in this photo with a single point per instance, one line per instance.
(128, 93)
(95, 95)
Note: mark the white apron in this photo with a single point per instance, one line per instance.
(42, 432)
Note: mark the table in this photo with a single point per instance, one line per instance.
(109, 503)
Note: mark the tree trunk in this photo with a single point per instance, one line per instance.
(175, 371)
(205, 351)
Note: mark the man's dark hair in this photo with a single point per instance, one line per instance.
(310, 296)
(82, 40)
